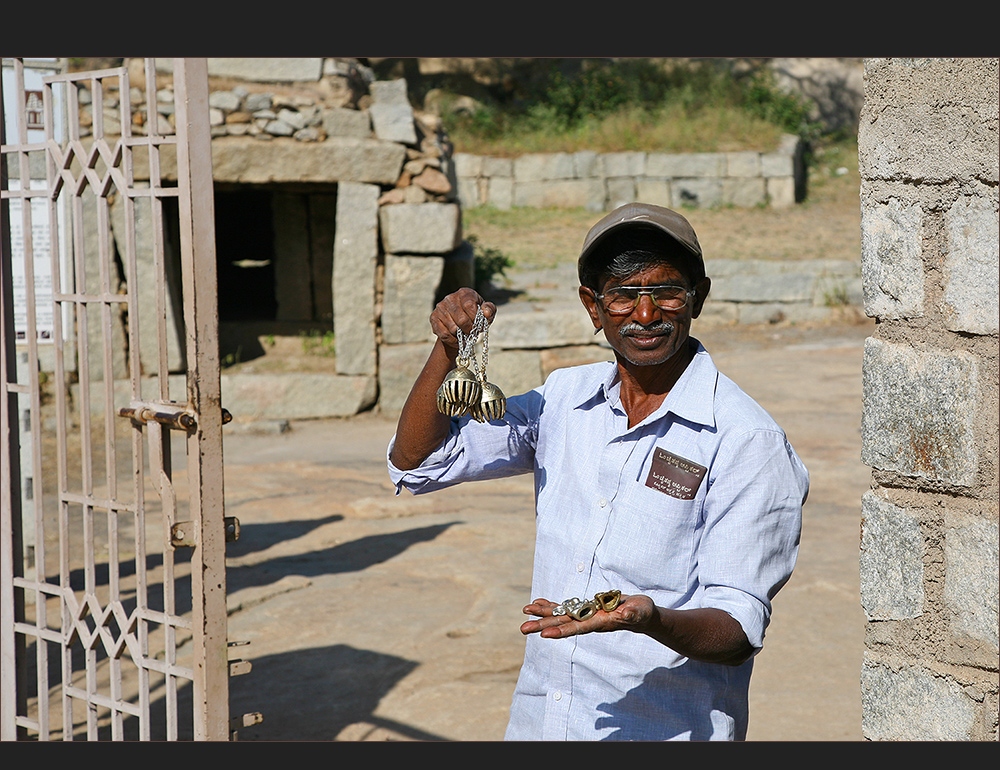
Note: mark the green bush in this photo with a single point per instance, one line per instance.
(488, 262)
(579, 100)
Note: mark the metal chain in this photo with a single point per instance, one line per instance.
(467, 344)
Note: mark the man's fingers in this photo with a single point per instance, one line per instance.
(458, 311)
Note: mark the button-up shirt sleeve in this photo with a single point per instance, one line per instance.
(752, 520)
(475, 451)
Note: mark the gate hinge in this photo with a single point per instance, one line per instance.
(247, 720)
(182, 532)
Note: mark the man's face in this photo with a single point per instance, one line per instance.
(648, 335)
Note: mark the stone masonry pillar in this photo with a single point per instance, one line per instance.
(928, 152)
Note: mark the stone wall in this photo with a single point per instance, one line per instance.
(928, 145)
(351, 166)
(603, 181)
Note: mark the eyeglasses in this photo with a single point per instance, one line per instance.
(621, 300)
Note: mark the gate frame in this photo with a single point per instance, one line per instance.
(211, 669)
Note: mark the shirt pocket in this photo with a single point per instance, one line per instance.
(650, 541)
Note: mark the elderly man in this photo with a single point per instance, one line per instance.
(655, 476)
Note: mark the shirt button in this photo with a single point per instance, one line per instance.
(579, 567)
(557, 695)
(602, 502)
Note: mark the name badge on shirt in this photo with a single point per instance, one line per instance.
(674, 476)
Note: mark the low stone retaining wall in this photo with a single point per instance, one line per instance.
(547, 327)
(601, 182)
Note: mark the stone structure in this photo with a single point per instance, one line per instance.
(601, 182)
(928, 145)
(332, 196)
(338, 210)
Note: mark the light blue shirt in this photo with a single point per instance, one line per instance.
(611, 513)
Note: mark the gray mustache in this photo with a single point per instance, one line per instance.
(657, 327)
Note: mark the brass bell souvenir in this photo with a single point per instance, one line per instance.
(492, 404)
(460, 389)
(465, 389)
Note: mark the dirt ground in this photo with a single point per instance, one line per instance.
(375, 617)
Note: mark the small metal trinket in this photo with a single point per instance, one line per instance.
(580, 610)
(492, 403)
(460, 389)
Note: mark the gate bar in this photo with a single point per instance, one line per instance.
(205, 472)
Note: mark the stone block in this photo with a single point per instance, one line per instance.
(263, 69)
(694, 165)
(655, 191)
(837, 282)
(494, 167)
(972, 266)
(935, 143)
(571, 193)
(500, 192)
(340, 121)
(411, 285)
(919, 412)
(468, 192)
(913, 704)
(700, 193)
(892, 271)
(300, 395)
(760, 281)
(246, 160)
(585, 164)
(971, 568)
(391, 112)
(399, 366)
(514, 371)
(624, 164)
(620, 190)
(781, 191)
(744, 192)
(537, 167)
(355, 256)
(227, 101)
(777, 164)
(533, 328)
(743, 164)
(716, 313)
(467, 164)
(892, 567)
(420, 228)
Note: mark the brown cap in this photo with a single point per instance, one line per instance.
(641, 215)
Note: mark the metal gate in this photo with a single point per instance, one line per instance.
(113, 531)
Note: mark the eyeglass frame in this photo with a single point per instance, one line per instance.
(647, 290)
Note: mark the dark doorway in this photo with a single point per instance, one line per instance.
(244, 242)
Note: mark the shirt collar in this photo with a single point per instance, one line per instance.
(692, 398)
